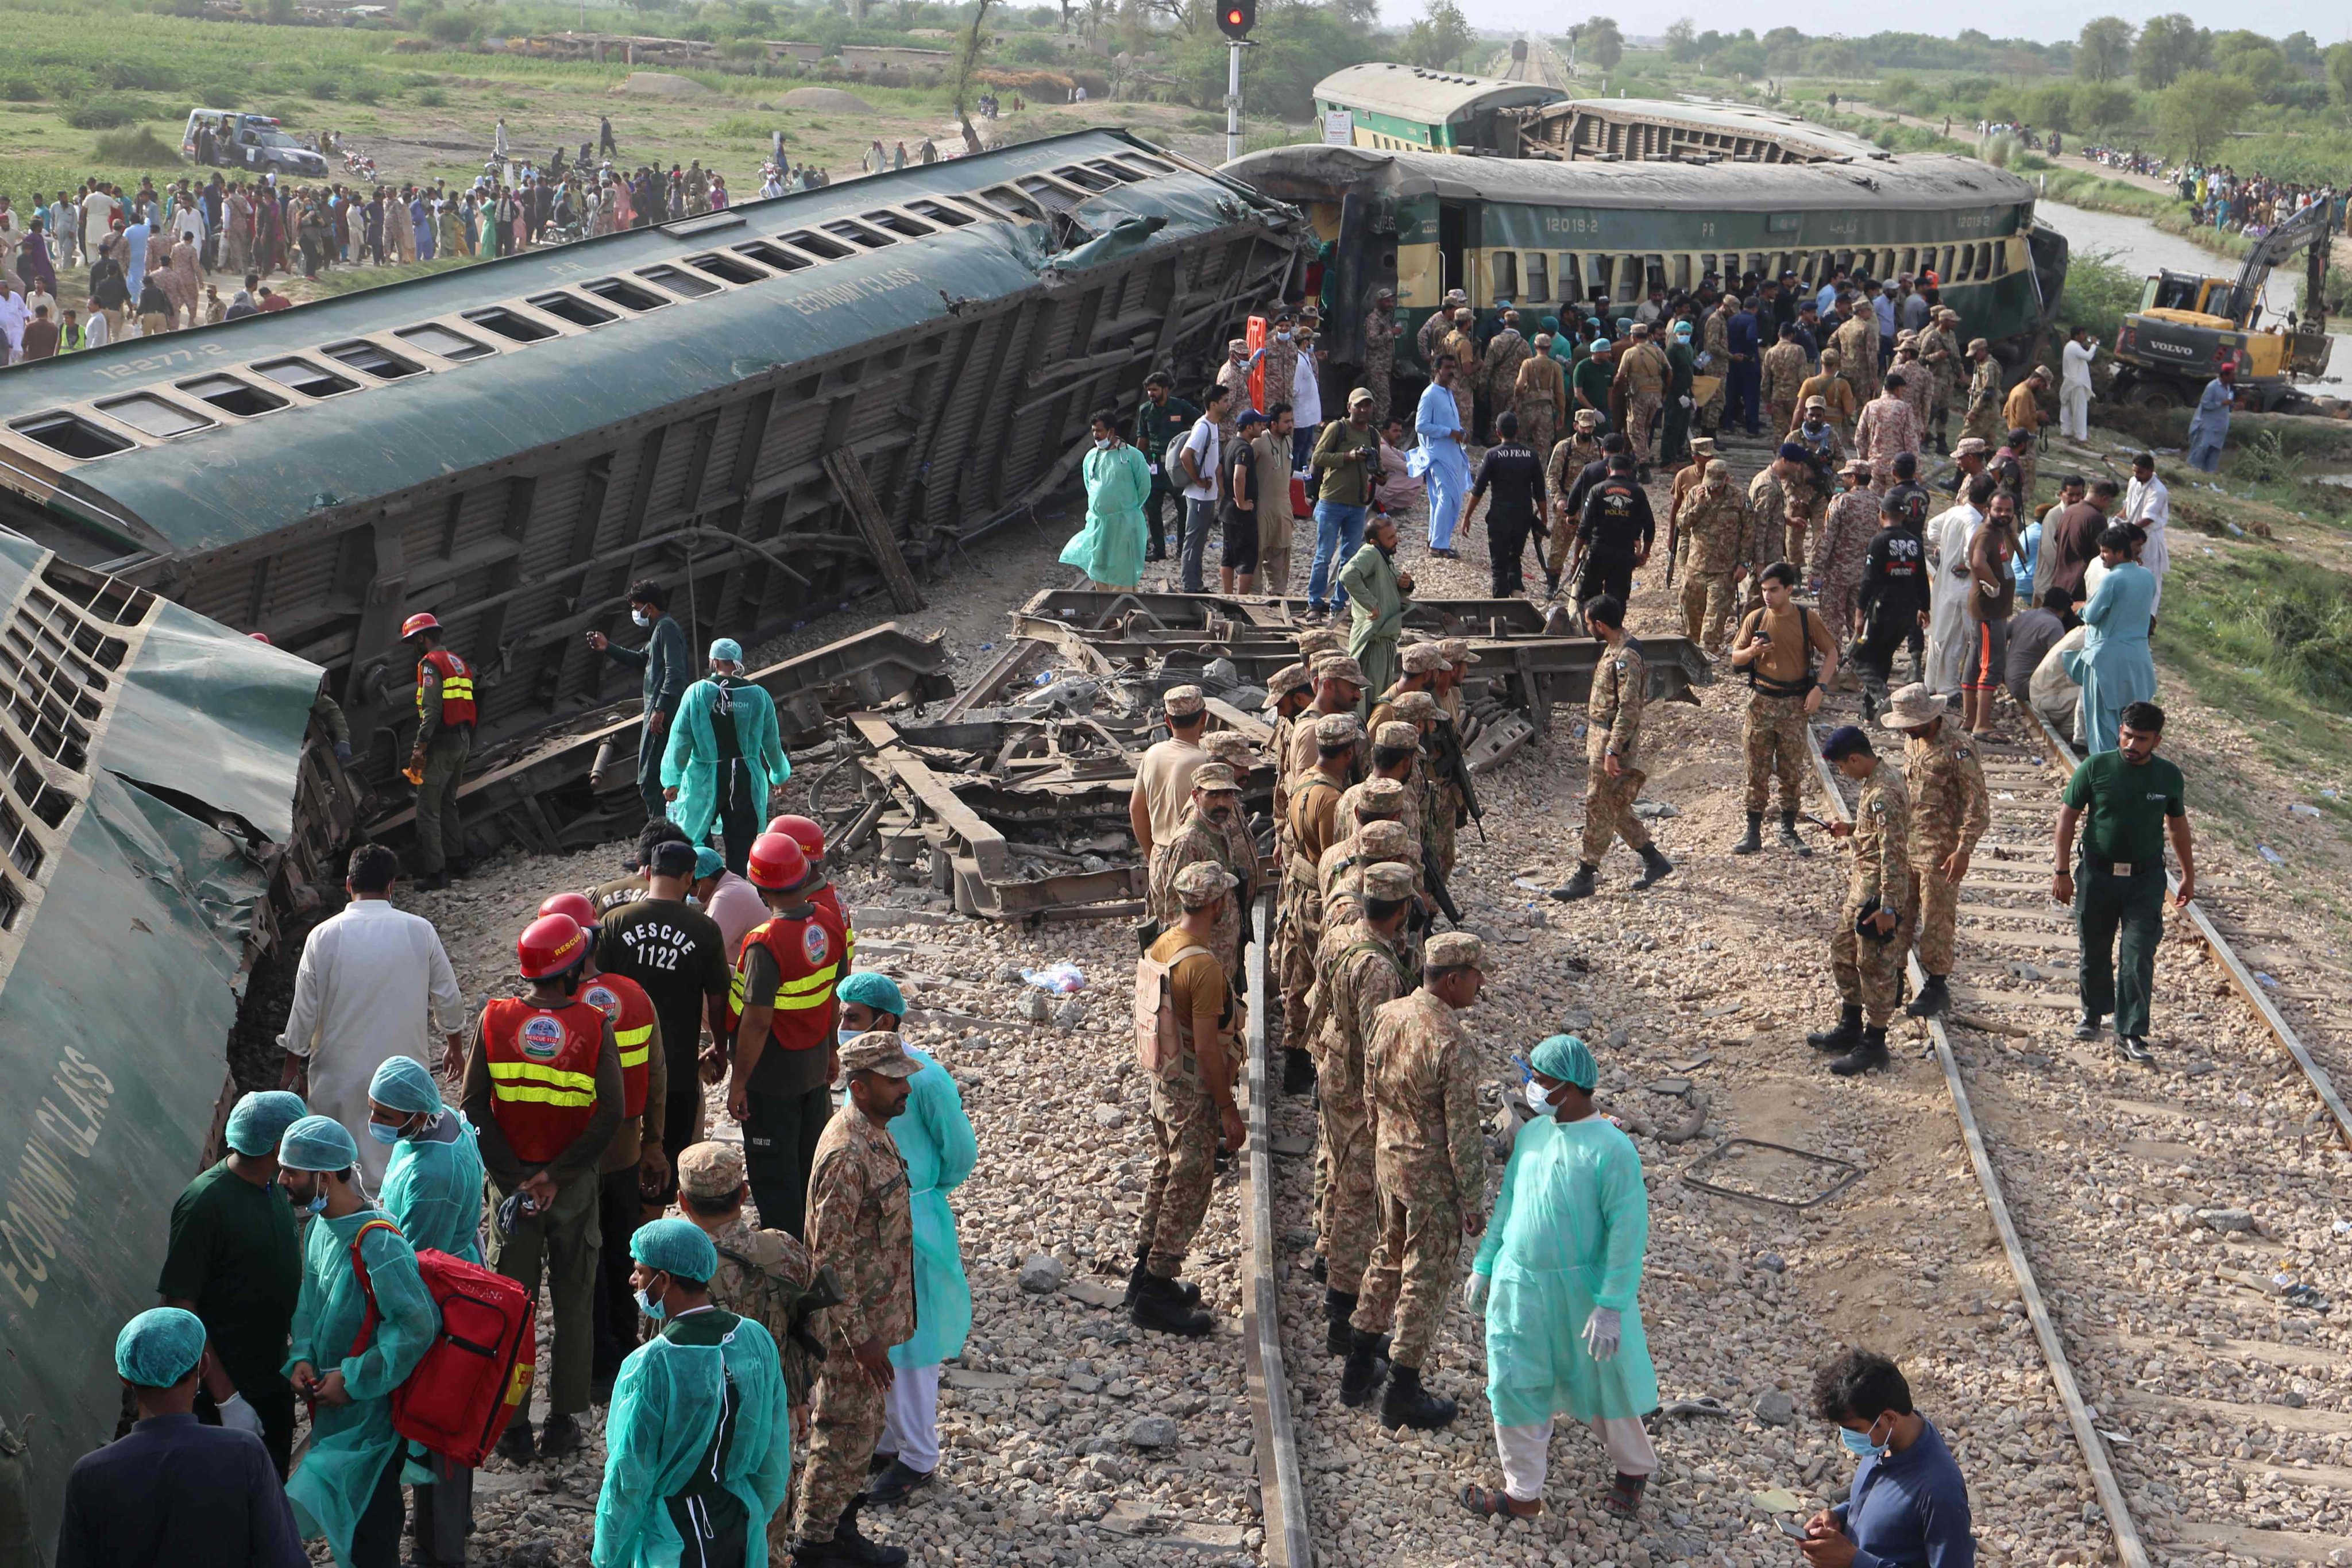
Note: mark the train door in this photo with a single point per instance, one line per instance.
(1452, 239)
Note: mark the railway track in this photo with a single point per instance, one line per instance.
(2171, 1231)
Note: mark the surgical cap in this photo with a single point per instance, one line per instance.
(872, 988)
(158, 1347)
(1566, 1058)
(404, 1083)
(726, 648)
(707, 862)
(261, 1118)
(318, 1144)
(675, 1246)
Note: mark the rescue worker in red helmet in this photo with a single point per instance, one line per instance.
(544, 1090)
(809, 834)
(436, 764)
(780, 1014)
(634, 1165)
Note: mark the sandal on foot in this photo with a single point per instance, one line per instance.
(1492, 1503)
(1623, 1499)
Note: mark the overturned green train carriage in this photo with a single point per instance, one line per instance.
(1541, 236)
(770, 408)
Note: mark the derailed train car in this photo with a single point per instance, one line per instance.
(772, 408)
(166, 803)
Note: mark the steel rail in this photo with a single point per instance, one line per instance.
(1282, 1492)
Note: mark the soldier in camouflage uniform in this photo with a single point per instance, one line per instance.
(1949, 812)
(1430, 341)
(1396, 757)
(1718, 535)
(1277, 361)
(859, 1226)
(1845, 540)
(1940, 350)
(1469, 372)
(1442, 804)
(1307, 833)
(1286, 696)
(1774, 651)
(1641, 374)
(1233, 748)
(1379, 353)
(1783, 375)
(1857, 346)
(1366, 963)
(1804, 496)
(1538, 394)
(1869, 969)
(1569, 457)
(1216, 797)
(1419, 664)
(1421, 1081)
(1834, 392)
(1233, 376)
(1983, 417)
(1505, 352)
(1715, 347)
(1192, 1103)
(1620, 687)
(1918, 381)
(1341, 872)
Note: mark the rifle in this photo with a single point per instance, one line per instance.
(1448, 763)
(1436, 880)
(1673, 530)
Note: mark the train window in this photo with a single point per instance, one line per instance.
(152, 415)
(573, 308)
(727, 270)
(815, 243)
(1631, 279)
(309, 380)
(1013, 201)
(1756, 262)
(1604, 269)
(774, 256)
(231, 396)
(1966, 264)
(896, 223)
(1571, 277)
(1503, 274)
(678, 281)
(1945, 272)
(361, 354)
(858, 234)
(1539, 277)
(1681, 271)
(1050, 194)
(1653, 274)
(1706, 262)
(1112, 172)
(1085, 179)
(625, 294)
(1148, 165)
(939, 212)
(71, 433)
(510, 324)
(1909, 261)
(441, 340)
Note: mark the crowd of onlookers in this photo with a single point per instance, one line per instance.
(2251, 204)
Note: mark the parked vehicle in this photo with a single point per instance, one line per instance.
(228, 140)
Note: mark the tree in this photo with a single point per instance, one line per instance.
(1744, 59)
(1358, 16)
(1600, 42)
(2170, 45)
(2021, 65)
(2103, 106)
(2339, 72)
(2301, 51)
(1439, 36)
(1681, 41)
(2103, 53)
(2196, 113)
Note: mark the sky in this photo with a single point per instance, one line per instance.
(2330, 21)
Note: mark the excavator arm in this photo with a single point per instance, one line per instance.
(2305, 234)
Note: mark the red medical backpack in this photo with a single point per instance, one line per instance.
(477, 1373)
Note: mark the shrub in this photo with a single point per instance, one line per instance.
(105, 113)
(324, 88)
(20, 89)
(367, 92)
(139, 149)
(431, 97)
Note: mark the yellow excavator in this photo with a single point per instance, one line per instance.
(2189, 326)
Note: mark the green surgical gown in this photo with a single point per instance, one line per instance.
(351, 1444)
(935, 1138)
(664, 1414)
(432, 1188)
(1568, 1236)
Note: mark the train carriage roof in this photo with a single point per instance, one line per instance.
(1927, 180)
(1819, 141)
(243, 477)
(1430, 97)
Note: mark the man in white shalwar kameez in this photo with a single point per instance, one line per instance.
(1950, 534)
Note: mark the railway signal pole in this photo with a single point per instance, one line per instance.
(1235, 20)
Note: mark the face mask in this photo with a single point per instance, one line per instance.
(381, 1134)
(1282, 337)
(642, 618)
(846, 1036)
(651, 1307)
(1102, 446)
(315, 1204)
(1859, 1444)
(1540, 1100)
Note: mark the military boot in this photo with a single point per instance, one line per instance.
(1844, 1037)
(1868, 1057)
(849, 1545)
(1577, 887)
(1366, 1366)
(1407, 1403)
(1933, 1001)
(1792, 840)
(1184, 1288)
(1338, 1306)
(1161, 1306)
(1754, 840)
(1655, 868)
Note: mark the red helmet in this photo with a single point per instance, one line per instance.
(803, 831)
(261, 638)
(777, 863)
(550, 945)
(422, 621)
(576, 905)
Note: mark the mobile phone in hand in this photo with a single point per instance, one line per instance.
(1788, 1526)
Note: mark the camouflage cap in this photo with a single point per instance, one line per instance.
(1340, 667)
(1422, 657)
(1817, 401)
(879, 1050)
(1857, 466)
(1289, 678)
(1236, 345)
(1457, 652)
(1418, 706)
(1336, 730)
(1215, 778)
(1587, 418)
(1319, 640)
(710, 1171)
(1381, 797)
(1184, 701)
(1389, 881)
(1396, 732)
(1454, 950)
(1702, 445)
(1200, 883)
(1230, 746)
(1976, 344)
(1970, 447)
(1384, 841)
